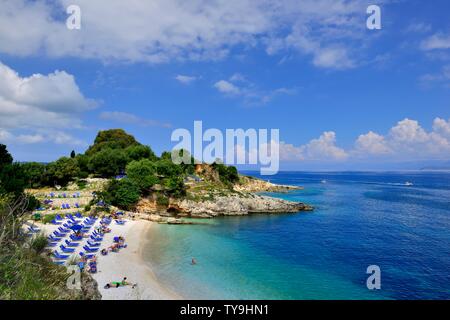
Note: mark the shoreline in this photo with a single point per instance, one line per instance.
(128, 262)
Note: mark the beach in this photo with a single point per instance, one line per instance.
(127, 263)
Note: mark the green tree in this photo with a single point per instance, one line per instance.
(62, 171)
(175, 186)
(108, 162)
(12, 180)
(142, 173)
(167, 168)
(5, 156)
(72, 154)
(138, 152)
(122, 193)
(34, 174)
(111, 139)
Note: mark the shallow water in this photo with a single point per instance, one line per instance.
(361, 219)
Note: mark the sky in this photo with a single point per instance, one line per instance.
(343, 97)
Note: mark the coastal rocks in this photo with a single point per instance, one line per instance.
(89, 288)
(251, 184)
(146, 205)
(161, 219)
(238, 205)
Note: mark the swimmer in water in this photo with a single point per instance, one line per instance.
(193, 261)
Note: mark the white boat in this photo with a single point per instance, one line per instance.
(407, 183)
(323, 181)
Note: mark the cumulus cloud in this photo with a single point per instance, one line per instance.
(52, 100)
(407, 140)
(185, 79)
(51, 136)
(239, 86)
(167, 30)
(436, 42)
(227, 87)
(371, 143)
(40, 104)
(129, 118)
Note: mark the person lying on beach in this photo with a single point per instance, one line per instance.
(122, 283)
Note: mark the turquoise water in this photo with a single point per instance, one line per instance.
(360, 219)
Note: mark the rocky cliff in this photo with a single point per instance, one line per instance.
(237, 205)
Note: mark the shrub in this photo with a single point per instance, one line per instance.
(162, 200)
(38, 243)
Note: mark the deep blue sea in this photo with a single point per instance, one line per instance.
(360, 219)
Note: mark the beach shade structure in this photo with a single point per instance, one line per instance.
(120, 213)
(76, 227)
(78, 214)
(58, 217)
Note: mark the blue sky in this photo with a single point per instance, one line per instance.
(343, 96)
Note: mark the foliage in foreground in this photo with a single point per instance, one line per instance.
(25, 273)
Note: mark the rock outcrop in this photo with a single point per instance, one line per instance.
(238, 205)
(251, 184)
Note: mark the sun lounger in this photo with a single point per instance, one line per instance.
(60, 263)
(120, 222)
(93, 244)
(66, 250)
(60, 256)
(53, 239)
(75, 238)
(90, 250)
(71, 244)
(52, 244)
(87, 256)
(33, 230)
(78, 215)
(58, 217)
(59, 235)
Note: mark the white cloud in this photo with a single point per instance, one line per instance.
(239, 86)
(436, 42)
(40, 101)
(40, 104)
(167, 30)
(227, 87)
(324, 148)
(371, 143)
(128, 118)
(405, 141)
(50, 136)
(185, 79)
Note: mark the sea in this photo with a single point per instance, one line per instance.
(396, 221)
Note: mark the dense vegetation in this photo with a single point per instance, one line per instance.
(114, 153)
(25, 271)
